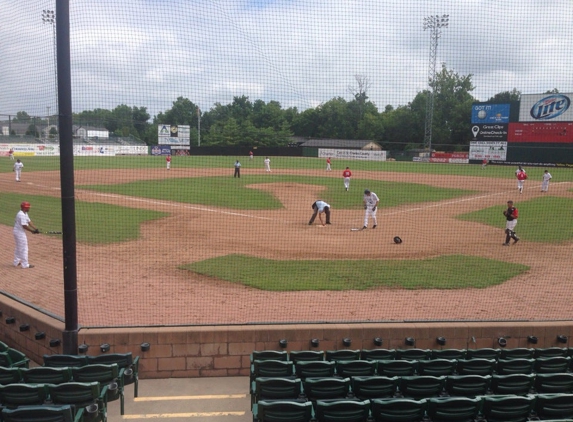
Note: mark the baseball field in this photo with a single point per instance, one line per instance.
(193, 245)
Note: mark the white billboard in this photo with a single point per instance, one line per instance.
(352, 154)
(546, 108)
(488, 150)
(173, 134)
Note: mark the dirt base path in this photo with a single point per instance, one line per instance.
(138, 282)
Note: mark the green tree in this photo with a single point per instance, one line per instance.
(21, 117)
(506, 96)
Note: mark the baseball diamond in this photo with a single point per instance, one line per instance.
(134, 271)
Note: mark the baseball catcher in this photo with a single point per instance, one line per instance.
(510, 214)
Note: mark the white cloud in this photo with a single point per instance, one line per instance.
(300, 53)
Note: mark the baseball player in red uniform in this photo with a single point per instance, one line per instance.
(347, 174)
(168, 161)
(511, 215)
(328, 164)
(521, 176)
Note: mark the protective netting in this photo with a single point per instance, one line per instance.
(188, 243)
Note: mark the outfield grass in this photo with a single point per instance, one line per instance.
(303, 163)
(544, 219)
(233, 193)
(95, 223)
(444, 272)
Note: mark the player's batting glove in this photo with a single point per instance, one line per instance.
(373, 209)
(36, 231)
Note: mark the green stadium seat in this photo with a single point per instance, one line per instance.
(421, 387)
(553, 383)
(282, 411)
(396, 368)
(312, 369)
(13, 359)
(326, 388)
(517, 353)
(514, 366)
(46, 375)
(375, 387)
(60, 361)
(342, 410)
(398, 410)
(271, 369)
(483, 353)
(106, 375)
(518, 384)
(453, 409)
(276, 389)
(552, 365)
(43, 414)
(378, 354)
(413, 354)
(550, 352)
(19, 359)
(334, 355)
(125, 361)
(554, 406)
(269, 355)
(437, 367)
(79, 394)
(3, 347)
(14, 395)
(10, 375)
(467, 385)
(448, 354)
(351, 368)
(306, 356)
(476, 366)
(507, 408)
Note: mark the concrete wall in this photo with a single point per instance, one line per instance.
(197, 351)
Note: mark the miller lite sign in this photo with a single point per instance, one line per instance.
(546, 108)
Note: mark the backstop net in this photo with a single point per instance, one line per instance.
(211, 141)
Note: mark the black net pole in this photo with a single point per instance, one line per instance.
(70, 335)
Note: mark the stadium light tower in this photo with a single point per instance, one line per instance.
(49, 17)
(433, 23)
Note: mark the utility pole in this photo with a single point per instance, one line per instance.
(432, 23)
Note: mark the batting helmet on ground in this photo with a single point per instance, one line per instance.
(25, 205)
(397, 240)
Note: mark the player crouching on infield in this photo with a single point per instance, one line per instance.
(320, 207)
(371, 202)
(511, 217)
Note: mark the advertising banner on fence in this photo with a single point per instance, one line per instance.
(496, 132)
(554, 132)
(546, 107)
(450, 157)
(161, 150)
(488, 150)
(352, 154)
(490, 113)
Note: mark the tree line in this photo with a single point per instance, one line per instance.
(257, 123)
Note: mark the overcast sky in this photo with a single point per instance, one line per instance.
(298, 52)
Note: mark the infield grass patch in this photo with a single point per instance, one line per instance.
(96, 223)
(543, 219)
(234, 193)
(444, 272)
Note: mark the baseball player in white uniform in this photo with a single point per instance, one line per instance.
(371, 202)
(21, 225)
(18, 169)
(267, 165)
(545, 181)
